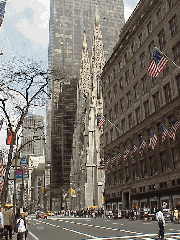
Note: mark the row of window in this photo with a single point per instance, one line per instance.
(161, 185)
(123, 175)
(120, 107)
(173, 25)
(146, 136)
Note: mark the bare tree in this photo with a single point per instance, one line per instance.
(23, 84)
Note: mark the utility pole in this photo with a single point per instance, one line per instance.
(14, 199)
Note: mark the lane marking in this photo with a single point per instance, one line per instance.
(32, 235)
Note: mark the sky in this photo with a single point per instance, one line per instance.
(25, 30)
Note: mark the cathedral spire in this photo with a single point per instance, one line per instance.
(85, 68)
(97, 59)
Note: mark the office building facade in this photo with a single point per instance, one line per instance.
(142, 170)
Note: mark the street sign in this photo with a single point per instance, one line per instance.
(19, 173)
(23, 162)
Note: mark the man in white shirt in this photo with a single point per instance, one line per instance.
(161, 223)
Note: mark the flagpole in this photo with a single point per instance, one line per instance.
(167, 57)
(112, 124)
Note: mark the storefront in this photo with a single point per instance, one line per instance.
(143, 203)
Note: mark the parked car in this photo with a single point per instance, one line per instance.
(50, 213)
(41, 215)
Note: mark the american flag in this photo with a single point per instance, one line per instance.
(142, 146)
(107, 162)
(157, 64)
(1, 123)
(2, 11)
(119, 156)
(174, 128)
(101, 122)
(164, 133)
(134, 150)
(126, 153)
(113, 158)
(153, 140)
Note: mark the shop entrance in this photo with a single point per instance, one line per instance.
(126, 200)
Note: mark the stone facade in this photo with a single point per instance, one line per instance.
(86, 178)
(68, 19)
(137, 103)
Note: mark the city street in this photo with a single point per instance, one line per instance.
(88, 228)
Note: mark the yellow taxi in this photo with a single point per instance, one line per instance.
(50, 213)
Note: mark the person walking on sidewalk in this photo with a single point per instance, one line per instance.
(1, 223)
(8, 222)
(161, 223)
(21, 226)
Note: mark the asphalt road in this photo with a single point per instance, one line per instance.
(70, 228)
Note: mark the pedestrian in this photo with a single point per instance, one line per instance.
(161, 223)
(1, 224)
(21, 226)
(8, 222)
(26, 224)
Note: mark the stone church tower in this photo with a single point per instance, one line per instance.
(86, 178)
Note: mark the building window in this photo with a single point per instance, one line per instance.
(106, 138)
(110, 115)
(159, 15)
(151, 161)
(116, 110)
(111, 134)
(156, 101)
(126, 56)
(136, 91)
(138, 115)
(173, 24)
(134, 69)
(114, 73)
(123, 125)
(146, 108)
(109, 79)
(143, 60)
(173, 183)
(129, 102)
(130, 120)
(174, 154)
(151, 49)
(162, 39)
(126, 174)
(167, 92)
(110, 96)
(133, 48)
(122, 105)
(171, 3)
(105, 102)
(142, 169)
(165, 70)
(127, 77)
(162, 162)
(159, 135)
(176, 52)
(117, 131)
(149, 27)
(145, 84)
(121, 84)
(140, 39)
(115, 90)
(178, 83)
(154, 80)
(120, 65)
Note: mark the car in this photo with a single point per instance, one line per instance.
(41, 215)
(50, 213)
